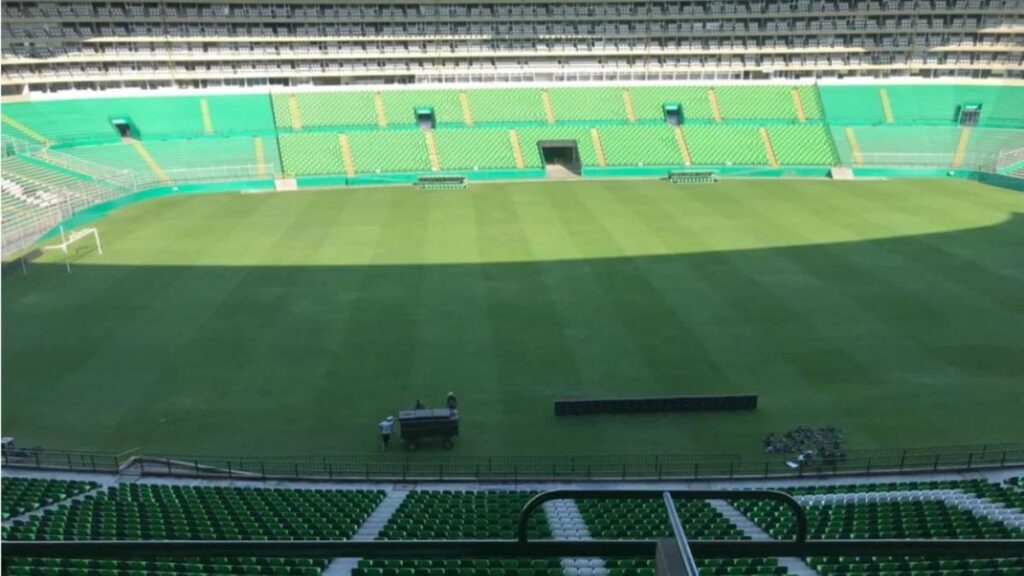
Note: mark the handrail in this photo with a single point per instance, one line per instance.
(685, 552)
(786, 499)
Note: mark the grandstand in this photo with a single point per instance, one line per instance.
(526, 204)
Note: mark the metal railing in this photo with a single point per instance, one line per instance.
(427, 467)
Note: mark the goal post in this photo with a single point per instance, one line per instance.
(67, 239)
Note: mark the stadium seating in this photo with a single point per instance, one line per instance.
(756, 103)
(802, 145)
(506, 105)
(21, 495)
(578, 103)
(119, 156)
(708, 566)
(455, 567)
(938, 104)
(400, 105)
(901, 145)
(34, 176)
(453, 515)
(310, 154)
(648, 101)
(252, 565)
(851, 104)
(811, 100)
(89, 121)
(326, 109)
(903, 566)
(210, 153)
(156, 512)
(469, 149)
(726, 144)
(641, 519)
(389, 151)
(647, 145)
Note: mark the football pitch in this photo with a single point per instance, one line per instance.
(289, 324)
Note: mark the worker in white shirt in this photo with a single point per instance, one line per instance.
(386, 426)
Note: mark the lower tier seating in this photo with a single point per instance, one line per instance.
(21, 495)
(454, 515)
(802, 145)
(464, 567)
(471, 149)
(159, 512)
(707, 567)
(903, 566)
(640, 519)
(718, 145)
(389, 151)
(181, 155)
(77, 567)
(310, 154)
(855, 516)
(640, 145)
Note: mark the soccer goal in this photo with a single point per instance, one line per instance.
(67, 239)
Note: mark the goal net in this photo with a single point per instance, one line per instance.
(68, 239)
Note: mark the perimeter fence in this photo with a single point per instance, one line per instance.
(438, 467)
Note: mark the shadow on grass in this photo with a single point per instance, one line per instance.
(900, 342)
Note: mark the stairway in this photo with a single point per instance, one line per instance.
(379, 518)
(467, 112)
(204, 109)
(261, 168)
(798, 104)
(549, 112)
(378, 105)
(795, 566)
(961, 147)
(517, 151)
(627, 98)
(769, 151)
(371, 527)
(435, 162)
(150, 161)
(24, 129)
(568, 524)
(293, 108)
(346, 155)
(858, 158)
(716, 112)
(595, 137)
(684, 149)
(883, 95)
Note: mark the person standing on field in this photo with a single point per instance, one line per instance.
(386, 425)
(452, 403)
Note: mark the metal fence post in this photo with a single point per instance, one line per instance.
(868, 471)
(92, 459)
(263, 469)
(230, 474)
(903, 458)
(1002, 461)
(970, 460)
(936, 467)
(766, 468)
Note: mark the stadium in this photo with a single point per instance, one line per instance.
(512, 288)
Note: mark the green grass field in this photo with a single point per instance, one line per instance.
(290, 323)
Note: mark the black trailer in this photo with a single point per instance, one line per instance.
(417, 425)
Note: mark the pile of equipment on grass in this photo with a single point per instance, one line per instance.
(825, 445)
